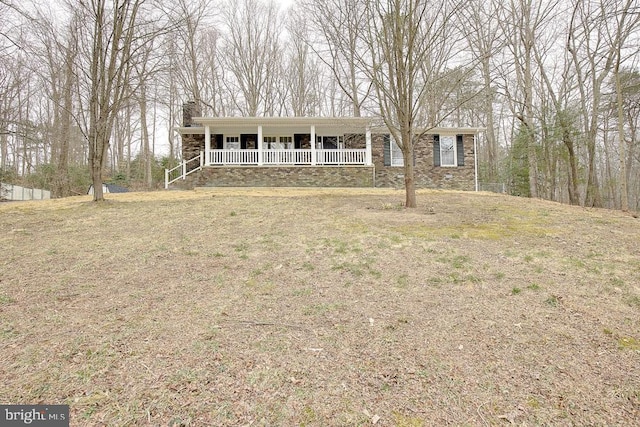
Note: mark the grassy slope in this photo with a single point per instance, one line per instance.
(320, 307)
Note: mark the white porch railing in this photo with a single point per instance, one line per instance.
(233, 157)
(181, 172)
(288, 157)
(342, 157)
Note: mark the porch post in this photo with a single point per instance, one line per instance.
(368, 140)
(313, 145)
(260, 157)
(207, 143)
(475, 159)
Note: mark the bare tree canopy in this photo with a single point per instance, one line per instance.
(549, 80)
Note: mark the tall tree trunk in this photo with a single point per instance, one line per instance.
(409, 173)
(574, 195)
(62, 186)
(146, 149)
(624, 192)
(492, 144)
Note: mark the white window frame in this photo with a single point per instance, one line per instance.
(270, 142)
(397, 159)
(286, 142)
(277, 142)
(227, 140)
(454, 150)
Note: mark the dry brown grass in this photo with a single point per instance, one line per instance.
(321, 307)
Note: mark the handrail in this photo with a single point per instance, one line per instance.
(183, 170)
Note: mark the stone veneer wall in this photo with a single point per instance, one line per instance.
(192, 145)
(426, 175)
(286, 176)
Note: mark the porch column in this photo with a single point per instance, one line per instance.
(313, 145)
(207, 144)
(368, 140)
(260, 157)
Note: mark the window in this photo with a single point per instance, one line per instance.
(286, 142)
(277, 142)
(447, 150)
(397, 159)
(233, 143)
(392, 153)
(329, 142)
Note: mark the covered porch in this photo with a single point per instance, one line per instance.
(277, 141)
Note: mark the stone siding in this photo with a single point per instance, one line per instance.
(286, 176)
(192, 145)
(426, 174)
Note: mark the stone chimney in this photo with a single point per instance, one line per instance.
(192, 144)
(190, 110)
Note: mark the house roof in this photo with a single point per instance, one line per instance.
(324, 125)
(283, 121)
(113, 188)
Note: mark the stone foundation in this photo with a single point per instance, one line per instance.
(286, 176)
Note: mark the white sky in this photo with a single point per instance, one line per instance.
(285, 3)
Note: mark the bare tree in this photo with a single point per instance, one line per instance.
(341, 25)
(59, 48)
(116, 31)
(195, 50)
(593, 60)
(558, 90)
(485, 38)
(252, 53)
(302, 74)
(626, 21)
(626, 88)
(14, 76)
(408, 43)
(524, 22)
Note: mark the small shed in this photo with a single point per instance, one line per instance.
(109, 188)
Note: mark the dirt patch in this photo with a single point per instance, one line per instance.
(321, 307)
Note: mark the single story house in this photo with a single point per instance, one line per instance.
(318, 151)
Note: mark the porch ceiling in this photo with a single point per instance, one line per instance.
(284, 125)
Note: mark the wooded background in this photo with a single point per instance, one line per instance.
(96, 87)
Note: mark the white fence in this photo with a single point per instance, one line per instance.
(15, 192)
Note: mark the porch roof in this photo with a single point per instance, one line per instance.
(439, 130)
(336, 125)
(326, 125)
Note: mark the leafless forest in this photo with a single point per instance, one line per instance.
(92, 89)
